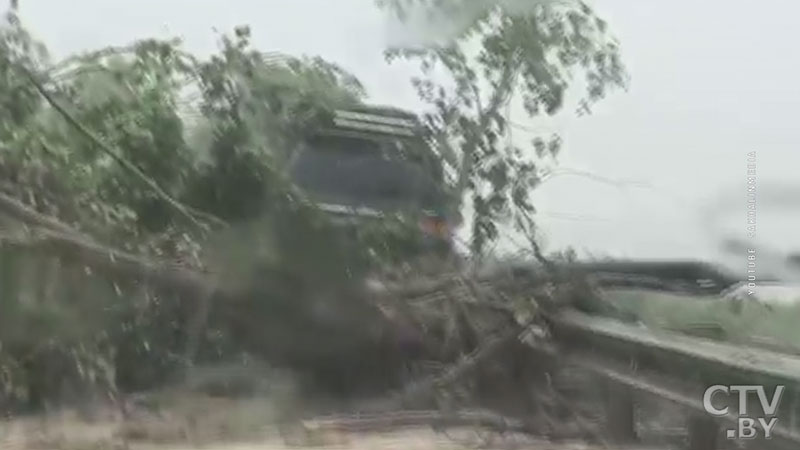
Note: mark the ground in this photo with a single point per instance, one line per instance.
(184, 420)
(72, 434)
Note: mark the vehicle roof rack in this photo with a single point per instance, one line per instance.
(376, 119)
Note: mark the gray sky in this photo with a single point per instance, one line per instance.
(711, 81)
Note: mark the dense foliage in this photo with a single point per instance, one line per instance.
(497, 53)
(149, 148)
(167, 155)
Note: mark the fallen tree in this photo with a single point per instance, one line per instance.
(278, 283)
(286, 323)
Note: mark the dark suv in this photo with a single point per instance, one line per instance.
(370, 163)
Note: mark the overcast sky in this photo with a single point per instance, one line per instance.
(711, 81)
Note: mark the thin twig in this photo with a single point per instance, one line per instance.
(461, 368)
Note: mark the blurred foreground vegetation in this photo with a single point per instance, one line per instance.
(148, 137)
(150, 150)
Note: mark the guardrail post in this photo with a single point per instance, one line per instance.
(703, 433)
(620, 413)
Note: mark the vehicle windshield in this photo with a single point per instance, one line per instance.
(358, 172)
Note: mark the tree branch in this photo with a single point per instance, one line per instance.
(500, 96)
(17, 210)
(55, 238)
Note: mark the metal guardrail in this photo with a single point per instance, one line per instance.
(634, 360)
